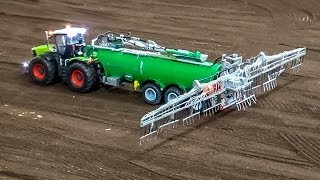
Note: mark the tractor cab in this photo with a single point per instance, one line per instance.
(68, 42)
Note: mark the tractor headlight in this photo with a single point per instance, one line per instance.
(25, 64)
(25, 67)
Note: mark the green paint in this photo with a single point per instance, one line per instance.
(163, 68)
(42, 49)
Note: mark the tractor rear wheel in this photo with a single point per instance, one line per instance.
(81, 77)
(152, 93)
(42, 71)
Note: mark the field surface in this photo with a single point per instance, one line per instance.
(53, 133)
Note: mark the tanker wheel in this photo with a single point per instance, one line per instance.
(42, 71)
(172, 93)
(152, 93)
(81, 78)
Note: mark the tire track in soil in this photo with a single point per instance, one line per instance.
(168, 135)
(12, 174)
(173, 147)
(90, 117)
(61, 165)
(76, 143)
(196, 140)
(192, 136)
(266, 102)
(300, 15)
(199, 7)
(35, 18)
(72, 158)
(308, 147)
(272, 157)
(180, 141)
(93, 119)
(292, 12)
(213, 167)
(159, 155)
(149, 169)
(51, 135)
(286, 107)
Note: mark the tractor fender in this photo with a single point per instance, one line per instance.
(75, 60)
(49, 56)
(97, 65)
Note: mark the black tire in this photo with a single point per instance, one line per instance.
(172, 91)
(81, 77)
(42, 71)
(152, 93)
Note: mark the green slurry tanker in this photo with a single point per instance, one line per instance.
(113, 59)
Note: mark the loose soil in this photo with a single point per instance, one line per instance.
(53, 133)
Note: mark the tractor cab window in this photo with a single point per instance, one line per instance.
(69, 46)
(77, 44)
(75, 40)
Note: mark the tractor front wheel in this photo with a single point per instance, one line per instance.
(81, 77)
(152, 93)
(42, 71)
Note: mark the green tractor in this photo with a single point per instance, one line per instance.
(63, 57)
(162, 74)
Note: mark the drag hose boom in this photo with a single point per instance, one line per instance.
(237, 86)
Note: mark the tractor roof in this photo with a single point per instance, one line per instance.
(70, 31)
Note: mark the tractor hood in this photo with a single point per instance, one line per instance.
(42, 49)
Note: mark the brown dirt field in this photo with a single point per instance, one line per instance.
(96, 135)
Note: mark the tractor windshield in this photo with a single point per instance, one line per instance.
(77, 39)
(69, 46)
(63, 40)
